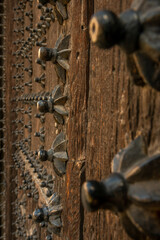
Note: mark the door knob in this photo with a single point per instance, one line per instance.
(132, 191)
(136, 31)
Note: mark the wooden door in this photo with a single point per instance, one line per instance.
(105, 112)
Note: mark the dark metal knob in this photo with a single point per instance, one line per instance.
(42, 106)
(104, 29)
(136, 31)
(54, 104)
(59, 8)
(57, 154)
(132, 191)
(42, 155)
(59, 56)
(50, 216)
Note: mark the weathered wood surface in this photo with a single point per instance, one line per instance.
(117, 112)
(10, 173)
(105, 112)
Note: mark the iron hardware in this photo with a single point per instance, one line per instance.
(136, 31)
(132, 191)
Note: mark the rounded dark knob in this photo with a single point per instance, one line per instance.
(38, 215)
(42, 106)
(44, 54)
(42, 155)
(43, 184)
(37, 79)
(104, 29)
(29, 195)
(42, 224)
(49, 237)
(30, 216)
(43, 2)
(49, 193)
(92, 192)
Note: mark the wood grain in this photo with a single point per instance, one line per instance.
(106, 111)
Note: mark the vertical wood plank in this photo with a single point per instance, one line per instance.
(105, 112)
(9, 173)
(117, 112)
(77, 123)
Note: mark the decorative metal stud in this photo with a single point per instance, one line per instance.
(136, 31)
(50, 214)
(29, 14)
(41, 116)
(48, 237)
(54, 104)
(48, 183)
(29, 126)
(59, 56)
(132, 191)
(60, 9)
(48, 17)
(40, 62)
(42, 43)
(57, 154)
(34, 194)
(41, 79)
(40, 134)
(29, 70)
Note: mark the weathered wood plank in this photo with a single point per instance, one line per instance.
(117, 112)
(10, 174)
(105, 112)
(76, 131)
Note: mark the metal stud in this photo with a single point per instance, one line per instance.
(41, 116)
(50, 214)
(41, 80)
(59, 8)
(40, 134)
(42, 43)
(54, 104)
(57, 154)
(59, 56)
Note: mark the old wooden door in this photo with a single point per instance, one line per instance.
(105, 112)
